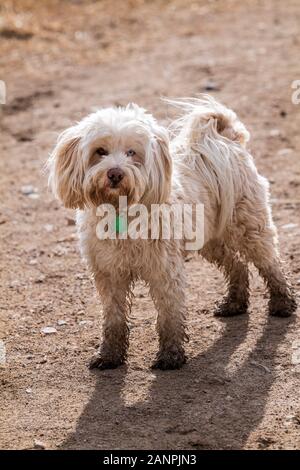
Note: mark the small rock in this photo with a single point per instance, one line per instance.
(60, 251)
(290, 417)
(33, 262)
(71, 221)
(48, 330)
(14, 283)
(40, 279)
(39, 444)
(274, 133)
(70, 238)
(61, 322)
(34, 196)
(293, 418)
(211, 86)
(85, 322)
(28, 189)
(261, 366)
(28, 390)
(48, 227)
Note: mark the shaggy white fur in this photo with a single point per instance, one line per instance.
(124, 151)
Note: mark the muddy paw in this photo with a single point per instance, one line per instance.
(282, 306)
(99, 362)
(230, 309)
(169, 361)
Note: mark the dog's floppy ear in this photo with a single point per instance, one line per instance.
(66, 169)
(160, 167)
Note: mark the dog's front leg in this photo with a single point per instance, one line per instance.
(167, 291)
(115, 295)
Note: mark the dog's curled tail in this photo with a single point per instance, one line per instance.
(203, 114)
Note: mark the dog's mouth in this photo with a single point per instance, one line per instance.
(113, 185)
(111, 190)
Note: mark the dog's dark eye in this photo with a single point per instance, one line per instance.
(101, 151)
(130, 153)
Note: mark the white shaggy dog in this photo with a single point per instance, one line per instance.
(125, 152)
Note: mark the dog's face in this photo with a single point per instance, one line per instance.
(112, 152)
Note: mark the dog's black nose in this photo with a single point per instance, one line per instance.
(115, 175)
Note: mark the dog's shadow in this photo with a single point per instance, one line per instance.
(201, 406)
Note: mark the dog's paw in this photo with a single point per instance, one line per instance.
(169, 360)
(99, 362)
(229, 308)
(282, 306)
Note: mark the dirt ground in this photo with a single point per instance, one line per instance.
(240, 387)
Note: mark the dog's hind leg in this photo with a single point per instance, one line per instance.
(258, 244)
(116, 299)
(236, 273)
(262, 251)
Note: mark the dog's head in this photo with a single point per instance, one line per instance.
(112, 152)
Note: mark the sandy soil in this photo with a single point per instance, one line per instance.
(240, 388)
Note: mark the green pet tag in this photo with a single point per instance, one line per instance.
(120, 224)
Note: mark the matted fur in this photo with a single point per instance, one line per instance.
(206, 162)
